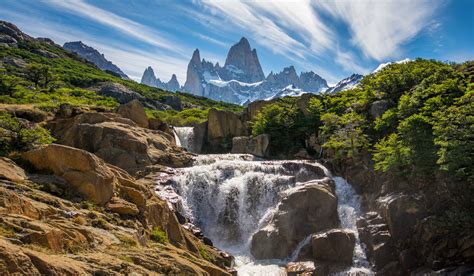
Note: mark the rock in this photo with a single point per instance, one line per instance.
(257, 145)
(26, 112)
(134, 111)
(302, 154)
(15, 204)
(10, 171)
(86, 174)
(242, 63)
(173, 101)
(9, 29)
(313, 144)
(159, 215)
(118, 91)
(122, 207)
(253, 109)
(14, 261)
(14, 61)
(119, 141)
(402, 213)
(336, 245)
(300, 269)
(222, 126)
(377, 108)
(200, 135)
(93, 56)
(304, 210)
(45, 53)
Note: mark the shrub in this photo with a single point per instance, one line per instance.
(159, 235)
(20, 135)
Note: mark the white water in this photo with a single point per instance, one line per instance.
(349, 210)
(184, 137)
(229, 196)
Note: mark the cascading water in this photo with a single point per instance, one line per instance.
(230, 196)
(349, 210)
(184, 137)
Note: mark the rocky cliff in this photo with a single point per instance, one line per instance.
(93, 56)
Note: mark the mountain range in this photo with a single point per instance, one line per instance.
(241, 80)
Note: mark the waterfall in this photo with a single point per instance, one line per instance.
(349, 210)
(184, 137)
(229, 196)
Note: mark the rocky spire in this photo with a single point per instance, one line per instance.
(194, 76)
(148, 77)
(173, 84)
(242, 63)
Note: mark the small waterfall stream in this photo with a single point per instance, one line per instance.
(184, 137)
(229, 196)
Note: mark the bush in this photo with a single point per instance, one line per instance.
(20, 135)
(159, 235)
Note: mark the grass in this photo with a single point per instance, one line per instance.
(127, 241)
(72, 78)
(158, 235)
(6, 232)
(205, 254)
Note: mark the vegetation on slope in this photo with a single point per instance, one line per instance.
(61, 77)
(426, 124)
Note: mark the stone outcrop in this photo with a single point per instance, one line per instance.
(335, 246)
(257, 145)
(134, 111)
(306, 209)
(42, 233)
(86, 174)
(242, 63)
(222, 126)
(119, 141)
(10, 171)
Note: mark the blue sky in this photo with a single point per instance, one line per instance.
(332, 38)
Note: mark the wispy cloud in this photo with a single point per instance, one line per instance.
(119, 23)
(380, 28)
(132, 61)
(212, 40)
(349, 62)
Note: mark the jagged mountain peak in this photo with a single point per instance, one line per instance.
(242, 63)
(196, 58)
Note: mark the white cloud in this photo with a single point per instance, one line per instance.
(122, 24)
(380, 27)
(212, 40)
(131, 60)
(349, 62)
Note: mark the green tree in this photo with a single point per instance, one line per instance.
(8, 84)
(40, 75)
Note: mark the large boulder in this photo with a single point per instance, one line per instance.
(119, 141)
(377, 108)
(304, 210)
(86, 174)
(336, 245)
(222, 126)
(134, 111)
(257, 145)
(402, 214)
(10, 171)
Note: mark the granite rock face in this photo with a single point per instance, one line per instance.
(93, 56)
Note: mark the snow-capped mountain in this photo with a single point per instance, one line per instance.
(150, 79)
(345, 84)
(242, 80)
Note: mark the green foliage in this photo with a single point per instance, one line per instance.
(40, 75)
(205, 254)
(8, 84)
(287, 124)
(186, 117)
(454, 137)
(69, 71)
(343, 135)
(16, 135)
(159, 235)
